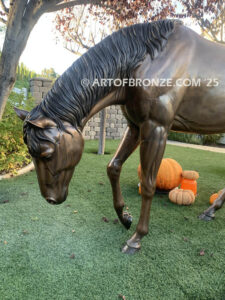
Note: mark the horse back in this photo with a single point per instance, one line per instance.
(190, 108)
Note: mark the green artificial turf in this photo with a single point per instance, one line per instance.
(69, 252)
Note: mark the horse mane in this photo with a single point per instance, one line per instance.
(116, 56)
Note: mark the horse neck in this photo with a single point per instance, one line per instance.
(116, 97)
(117, 56)
(77, 106)
(73, 101)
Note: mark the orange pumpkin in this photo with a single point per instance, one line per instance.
(189, 182)
(139, 171)
(213, 197)
(139, 188)
(169, 174)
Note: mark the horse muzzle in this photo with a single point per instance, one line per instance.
(58, 200)
(51, 201)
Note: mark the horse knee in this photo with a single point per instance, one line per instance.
(113, 169)
(147, 191)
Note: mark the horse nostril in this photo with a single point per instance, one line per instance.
(51, 201)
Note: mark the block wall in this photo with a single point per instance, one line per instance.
(115, 122)
(39, 87)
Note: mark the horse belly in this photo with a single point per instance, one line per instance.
(201, 112)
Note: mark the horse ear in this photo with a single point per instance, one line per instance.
(21, 113)
(42, 123)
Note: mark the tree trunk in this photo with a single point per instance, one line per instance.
(21, 17)
(101, 145)
(16, 36)
(7, 75)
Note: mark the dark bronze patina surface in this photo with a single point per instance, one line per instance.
(158, 50)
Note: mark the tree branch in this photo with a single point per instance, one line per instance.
(78, 40)
(4, 8)
(3, 20)
(79, 20)
(70, 4)
(93, 39)
(73, 51)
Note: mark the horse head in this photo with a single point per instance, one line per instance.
(55, 154)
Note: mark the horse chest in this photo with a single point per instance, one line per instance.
(143, 106)
(137, 110)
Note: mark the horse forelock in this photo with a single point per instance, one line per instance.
(33, 136)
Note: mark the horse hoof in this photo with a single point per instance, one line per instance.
(129, 250)
(205, 217)
(127, 220)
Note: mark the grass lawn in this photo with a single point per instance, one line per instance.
(53, 252)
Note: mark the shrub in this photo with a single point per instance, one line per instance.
(191, 138)
(13, 151)
(185, 137)
(211, 139)
(22, 84)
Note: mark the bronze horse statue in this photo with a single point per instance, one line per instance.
(160, 50)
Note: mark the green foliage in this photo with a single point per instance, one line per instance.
(203, 139)
(49, 73)
(210, 139)
(22, 84)
(23, 73)
(185, 137)
(13, 151)
(2, 28)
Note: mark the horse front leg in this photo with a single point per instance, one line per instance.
(209, 213)
(128, 144)
(152, 146)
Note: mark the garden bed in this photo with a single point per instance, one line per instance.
(13, 151)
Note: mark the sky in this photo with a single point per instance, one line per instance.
(42, 51)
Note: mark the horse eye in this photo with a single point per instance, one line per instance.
(46, 157)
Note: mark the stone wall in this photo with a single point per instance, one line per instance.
(115, 122)
(39, 87)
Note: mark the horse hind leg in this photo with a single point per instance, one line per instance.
(152, 146)
(128, 144)
(209, 214)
